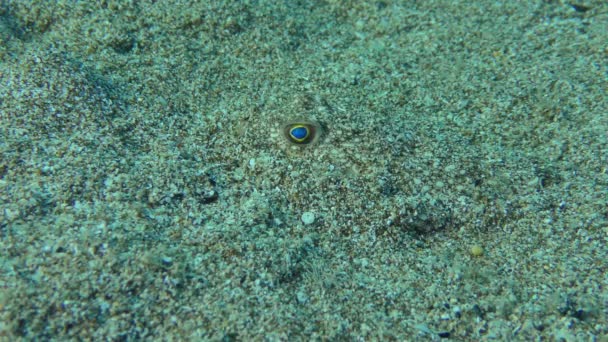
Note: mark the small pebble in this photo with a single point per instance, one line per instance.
(476, 251)
(308, 217)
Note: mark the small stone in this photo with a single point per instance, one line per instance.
(476, 251)
(301, 297)
(308, 217)
(166, 261)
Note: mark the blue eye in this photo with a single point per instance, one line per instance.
(302, 132)
(299, 133)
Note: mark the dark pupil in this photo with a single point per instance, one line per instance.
(299, 132)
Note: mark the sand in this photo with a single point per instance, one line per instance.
(458, 189)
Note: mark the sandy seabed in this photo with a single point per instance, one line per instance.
(458, 188)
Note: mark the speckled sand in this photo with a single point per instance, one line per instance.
(460, 188)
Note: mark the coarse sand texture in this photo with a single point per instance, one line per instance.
(317, 170)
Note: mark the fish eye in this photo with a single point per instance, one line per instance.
(302, 132)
